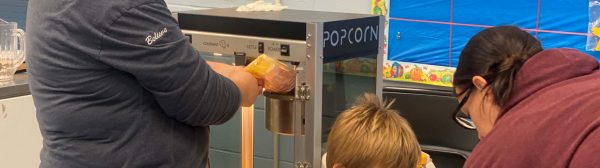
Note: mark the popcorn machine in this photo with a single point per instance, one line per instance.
(336, 57)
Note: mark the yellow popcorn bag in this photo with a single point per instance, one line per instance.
(277, 76)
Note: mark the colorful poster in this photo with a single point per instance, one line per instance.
(593, 41)
(379, 7)
(418, 73)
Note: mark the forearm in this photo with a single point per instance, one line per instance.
(245, 82)
(221, 68)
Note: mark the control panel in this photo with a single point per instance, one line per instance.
(249, 46)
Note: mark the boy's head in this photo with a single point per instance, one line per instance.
(369, 134)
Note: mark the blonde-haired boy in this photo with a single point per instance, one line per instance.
(371, 135)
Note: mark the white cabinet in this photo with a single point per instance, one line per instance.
(20, 137)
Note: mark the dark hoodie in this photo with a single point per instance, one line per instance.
(552, 118)
(116, 84)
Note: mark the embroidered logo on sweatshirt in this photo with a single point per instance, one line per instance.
(155, 36)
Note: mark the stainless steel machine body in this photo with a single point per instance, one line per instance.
(337, 56)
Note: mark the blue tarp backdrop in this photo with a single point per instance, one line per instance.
(435, 31)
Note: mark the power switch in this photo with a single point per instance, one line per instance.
(285, 50)
(261, 47)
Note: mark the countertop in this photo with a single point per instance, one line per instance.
(19, 87)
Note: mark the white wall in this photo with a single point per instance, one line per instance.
(345, 6)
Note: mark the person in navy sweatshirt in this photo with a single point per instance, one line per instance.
(117, 84)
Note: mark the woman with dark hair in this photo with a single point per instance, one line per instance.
(531, 107)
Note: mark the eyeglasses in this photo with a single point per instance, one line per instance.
(461, 118)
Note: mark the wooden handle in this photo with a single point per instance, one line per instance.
(247, 137)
